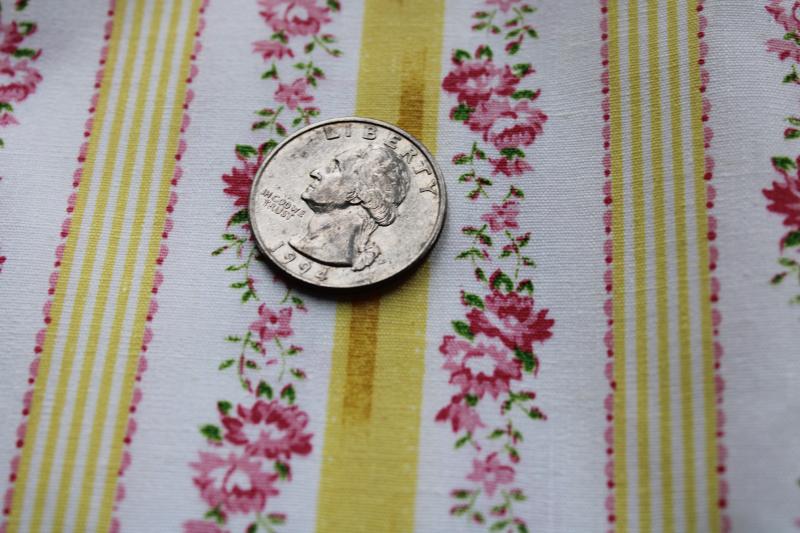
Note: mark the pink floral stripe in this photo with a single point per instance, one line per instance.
(159, 276)
(18, 76)
(783, 196)
(490, 358)
(254, 441)
(12, 30)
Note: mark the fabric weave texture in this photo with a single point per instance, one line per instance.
(603, 339)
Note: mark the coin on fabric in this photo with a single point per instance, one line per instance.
(348, 202)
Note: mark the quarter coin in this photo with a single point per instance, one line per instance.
(348, 202)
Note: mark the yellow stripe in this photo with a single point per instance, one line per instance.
(701, 225)
(375, 393)
(662, 296)
(684, 318)
(618, 238)
(154, 244)
(120, 313)
(76, 320)
(66, 270)
(640, 276)
(73, 440)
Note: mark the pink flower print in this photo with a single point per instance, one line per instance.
(480, 368)
(270, 49)
(485, 115)
(507, 126)
(789, 18)
(509, 167)
(293, 94)
(271, 325)
(504, 5)
(503, 216)
(234, 483)
(10, 37)
(515, 126)
(294, 17)
(17, 80)
(511, 318)
(7, 119)
(784, 198)
(272, 430)
(491, 473)
(240, 180)
(784, 49)
(201, 526)
(476, 81)
(460, 415)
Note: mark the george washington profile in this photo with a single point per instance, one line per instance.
(355, 193)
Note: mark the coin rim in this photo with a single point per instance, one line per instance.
(440, 216)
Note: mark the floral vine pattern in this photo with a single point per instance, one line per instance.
(251, 444)
(784, 194)
(490, 358)
(18, 77)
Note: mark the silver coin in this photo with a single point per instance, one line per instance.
(347, 202)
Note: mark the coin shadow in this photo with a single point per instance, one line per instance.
(348, 294)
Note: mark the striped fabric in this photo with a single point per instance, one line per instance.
(603, 339)
(89, 355)
(666, 464)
